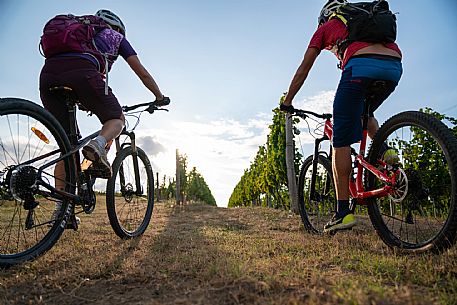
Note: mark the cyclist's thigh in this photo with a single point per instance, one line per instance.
(90, 88)
(348, 108)
(56, 107)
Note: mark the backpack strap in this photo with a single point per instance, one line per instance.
(340, 17)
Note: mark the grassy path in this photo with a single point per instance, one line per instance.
(205, 255)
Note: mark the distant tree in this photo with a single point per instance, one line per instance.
(266, 176)
(193, 186)
(197, 189)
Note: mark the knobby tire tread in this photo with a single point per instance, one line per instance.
(25, 107)
(446, 238)
(110, 194)
(325, 162)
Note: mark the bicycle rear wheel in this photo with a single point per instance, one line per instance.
(317, 212)
(421, 213)
(29, 138)
(129, 206)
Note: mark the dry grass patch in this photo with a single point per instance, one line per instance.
(200, 254)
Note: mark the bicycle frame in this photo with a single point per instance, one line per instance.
(77, 145)
(356, 188)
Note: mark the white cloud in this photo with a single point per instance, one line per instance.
(220, 149)
(319, 103)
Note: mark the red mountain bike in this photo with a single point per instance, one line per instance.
(32, 142)
(412, 205)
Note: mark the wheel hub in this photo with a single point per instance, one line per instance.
(22, 178)
(128, 192)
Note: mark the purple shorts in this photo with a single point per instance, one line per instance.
(82, 76)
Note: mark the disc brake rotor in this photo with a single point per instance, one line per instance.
(401, 187)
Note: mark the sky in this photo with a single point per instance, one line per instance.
(225, 64)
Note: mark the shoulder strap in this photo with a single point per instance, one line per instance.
(339, 16)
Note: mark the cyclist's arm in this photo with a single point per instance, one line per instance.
(301, 74)
(143, 74)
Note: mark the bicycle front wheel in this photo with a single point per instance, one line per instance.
(316, 212)
(420, 214)
(30, 138)
(130, 196)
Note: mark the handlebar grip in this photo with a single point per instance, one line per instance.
(130, 108)
(304, 113)
(163, 102)
(127, 108)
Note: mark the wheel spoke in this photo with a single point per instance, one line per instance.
(424, 195)
(26, 211)
(317, 212)
(130, 213)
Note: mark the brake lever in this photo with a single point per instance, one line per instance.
(163, 102)
(153, 108)
(300, 114)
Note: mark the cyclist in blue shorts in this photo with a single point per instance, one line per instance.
(362, 63)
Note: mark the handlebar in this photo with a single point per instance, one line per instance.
(304, 114)
(151, 106)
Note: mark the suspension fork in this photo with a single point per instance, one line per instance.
(121, 168)
(136, 169)
(312, 193)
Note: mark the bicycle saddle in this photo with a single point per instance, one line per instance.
(68, 95)
(65, 93)
(377, 86)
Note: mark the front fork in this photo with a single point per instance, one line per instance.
(132, 144)
(313, 196)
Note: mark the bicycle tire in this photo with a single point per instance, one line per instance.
(114, 209)
(447, 143)
(327, 201)
(20, 107)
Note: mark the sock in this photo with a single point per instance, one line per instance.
(342, 208)
(101, 140)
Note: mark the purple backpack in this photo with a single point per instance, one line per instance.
(69, 33)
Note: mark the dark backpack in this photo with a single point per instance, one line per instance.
(367, 22)
(69, 33)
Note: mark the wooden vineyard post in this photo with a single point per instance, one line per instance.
(158, 187)
(290, 151)
(178, 180)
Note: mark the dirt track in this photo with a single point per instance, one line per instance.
(205, 255)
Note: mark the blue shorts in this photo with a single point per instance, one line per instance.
(352, 90)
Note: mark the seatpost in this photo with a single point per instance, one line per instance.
(365, 117)
(73, 136)
(363, 144)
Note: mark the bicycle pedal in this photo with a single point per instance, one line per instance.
(72, 223)
(98, 173)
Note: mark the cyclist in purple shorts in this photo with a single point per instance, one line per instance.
(80, 71)
(87, 77)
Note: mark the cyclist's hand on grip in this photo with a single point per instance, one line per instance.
(163, 102)
(287, 108)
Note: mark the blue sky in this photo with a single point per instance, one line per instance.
(225, 64)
